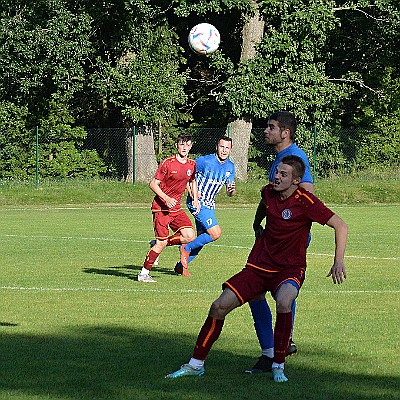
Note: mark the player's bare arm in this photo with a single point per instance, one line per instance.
(231, 188)
(155, 187)
(338, 270)
(194, 194)
(258, 218)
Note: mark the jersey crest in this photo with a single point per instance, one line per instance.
(286, 213)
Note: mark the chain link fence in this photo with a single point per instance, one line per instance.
(133, 154)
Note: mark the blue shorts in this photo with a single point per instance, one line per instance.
(205, 219)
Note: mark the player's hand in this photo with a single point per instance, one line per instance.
(197, 206)
(170, 202)
(230, 188)
(338, 272)
(258, 230)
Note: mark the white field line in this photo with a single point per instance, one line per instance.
(148, 290)
(116, 206)
(73, 208)
(146, 241)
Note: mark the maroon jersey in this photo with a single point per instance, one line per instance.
(284, 240)
(173, 176)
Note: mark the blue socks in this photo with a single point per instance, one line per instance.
(200, 241)
(262, 317)
(293, 312)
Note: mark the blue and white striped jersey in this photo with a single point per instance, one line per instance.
(211, 175)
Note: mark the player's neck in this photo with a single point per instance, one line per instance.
(181, 159)
(288, 192)
(219, 159)
(283, 145)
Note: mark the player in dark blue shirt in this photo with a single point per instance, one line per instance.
(213, 171)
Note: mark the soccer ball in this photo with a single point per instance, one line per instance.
(204, 38)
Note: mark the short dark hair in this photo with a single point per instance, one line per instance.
(297, 164)
(184, 137)
(225, 138)
(286, 120)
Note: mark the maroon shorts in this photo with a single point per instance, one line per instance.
(164, 220)
(250, 282)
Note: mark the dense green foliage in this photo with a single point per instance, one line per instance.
(69, 65)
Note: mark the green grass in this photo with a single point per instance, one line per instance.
(75, 325)
(362, 188)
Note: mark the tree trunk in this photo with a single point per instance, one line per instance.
(240, 130)
(252, 34)
(145, 162)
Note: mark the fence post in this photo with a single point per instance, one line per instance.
(134, 155)
(37, 159)
(315, 154)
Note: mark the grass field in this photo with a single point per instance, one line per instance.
(76, 325)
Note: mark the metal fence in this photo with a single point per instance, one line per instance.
(133, 154)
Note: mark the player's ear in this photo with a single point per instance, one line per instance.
(285, 133)
(296, 181)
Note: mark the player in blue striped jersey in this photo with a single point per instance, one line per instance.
(213, 171)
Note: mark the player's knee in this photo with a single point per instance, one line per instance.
(217, 310)
(215, 237)
(284, 305)
(160, 245)
(187, 236)
(215, 232)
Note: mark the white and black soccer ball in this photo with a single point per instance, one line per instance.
(204, 38)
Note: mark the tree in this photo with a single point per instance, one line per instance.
(16, 142)
(292, 69)
(121, 63)
(364, 52)
(44, 50)
(252, 34)
(136, 74)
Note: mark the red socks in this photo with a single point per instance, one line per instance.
(150, 258)
(208, 334)
(282, 331)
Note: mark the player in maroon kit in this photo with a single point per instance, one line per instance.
(277, 263)
(173, 176)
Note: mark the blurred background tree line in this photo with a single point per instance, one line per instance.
(69, 67)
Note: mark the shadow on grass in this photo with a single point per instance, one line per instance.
(114, 363)
(126, 271)
(119, 272)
